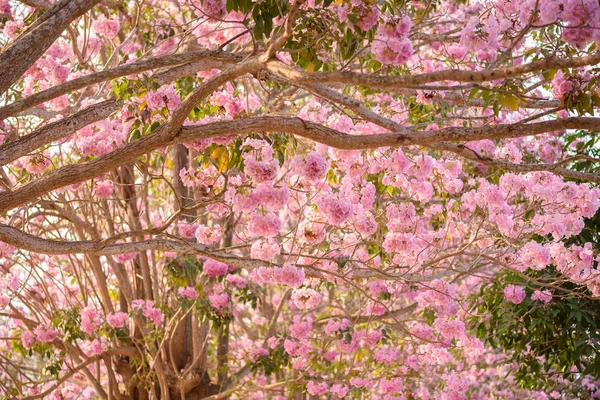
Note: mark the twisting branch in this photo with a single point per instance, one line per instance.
(393, 82)
(167, 135)
(152, 63)
(30, 46)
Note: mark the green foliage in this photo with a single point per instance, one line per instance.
(277, 360)
(564, 332)
(183, 270)
(69, 322)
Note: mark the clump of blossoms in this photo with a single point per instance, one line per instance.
(391, 44)
(514, 294)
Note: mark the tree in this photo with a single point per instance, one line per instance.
(235, 199)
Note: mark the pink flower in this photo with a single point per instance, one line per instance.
(544, 296)
(209, 235)
(365, 224)
(339, 390)
(313, 167)
(261, 171)
(187, 230)
(139, 304)
(27, 339)
(386, 355)
(316, 389)
(561, 86)
(36, 164)
(95, 347)
(336, 211)
(148, 310)
(535, 256)
(104, 189)
(90, 319)
(300, 328)
(155, 314)
(4, 300)
(334, 326)
(106, 27)
(391, 50)
(395, 27)
(289, 275)
(117, 320)
(214, 8)
(188, 292)
(264, 225)
(45, 334)
(457, 52)
(305, 298)
(514, 294)
(236, 281)
(219, 301)
(124, 257)
(264, 249)
(257, 353)
(369, 15)
(163, 97)
(214, 268)
(271, 198)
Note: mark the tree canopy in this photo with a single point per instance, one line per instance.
(212, 199)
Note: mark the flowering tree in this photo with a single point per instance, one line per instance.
(237, 199)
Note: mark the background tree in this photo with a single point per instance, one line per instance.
(237, 199)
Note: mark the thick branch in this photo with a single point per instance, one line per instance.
(215, 56)
(55, 131)
(71, 174)
(30, 46)
(392, 82)
(32, 243)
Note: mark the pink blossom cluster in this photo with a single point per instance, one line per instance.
(209, 235)
(289, 275)
(106, 27)
(213, 8)
(100, 138)
(104, 189)
(219, 301)
(301, 328)
(165, 96)
(146, 307)
(35, 164)
(200, 177)
(90, 319)
(187, 292)
(264, 249)
(337, 211)
(264, 225)
(391, 44)
(441, 296)
(95, 348)
(545, 296)
(28, 339)
(236, 281)
(335, 325)
(214, 268)
(124, 257)
(312, 167)
(45, 334)
(306, 298)
(257, 353)
(187, 230)
(117, 320)
(260, 171)
(515, 294)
